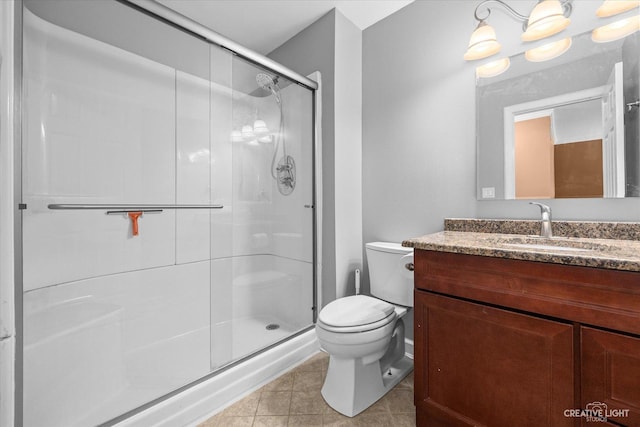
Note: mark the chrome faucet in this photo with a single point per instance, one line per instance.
(545, 229)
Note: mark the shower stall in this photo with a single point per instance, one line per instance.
(167, 187)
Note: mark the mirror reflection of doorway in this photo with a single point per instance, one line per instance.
(535, 178)
(549, 166)
(569, 146)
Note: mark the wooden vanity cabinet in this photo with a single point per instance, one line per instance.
(479, 365)
(502, 342)
(611, 374)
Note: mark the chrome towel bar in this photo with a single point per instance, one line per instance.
(125, 207)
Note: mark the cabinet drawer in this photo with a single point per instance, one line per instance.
(611, 374)
(599, 297)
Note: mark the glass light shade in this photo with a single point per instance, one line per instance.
(483, 43)
(548, 51)
(616, 30)
(614, 7)
(260, 127)
(236, 136)
(546, 19)
(247, 132)
(493, 68)
(266, 138)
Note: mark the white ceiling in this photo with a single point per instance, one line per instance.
(263, 25)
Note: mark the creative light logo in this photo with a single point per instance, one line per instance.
(596, 412)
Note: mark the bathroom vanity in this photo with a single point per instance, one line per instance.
(514, 330)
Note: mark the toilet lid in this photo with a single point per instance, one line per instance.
(354, 311)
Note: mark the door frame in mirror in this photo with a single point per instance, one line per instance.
(510, 113)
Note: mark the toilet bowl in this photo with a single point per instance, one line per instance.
(364, 335)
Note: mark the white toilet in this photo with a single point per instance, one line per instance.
(364, 336)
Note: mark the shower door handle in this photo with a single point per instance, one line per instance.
(309, 206)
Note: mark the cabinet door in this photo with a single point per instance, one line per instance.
(481, 366)
(611, 374)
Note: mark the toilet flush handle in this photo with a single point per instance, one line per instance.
(408, 265)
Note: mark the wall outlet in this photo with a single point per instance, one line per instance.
(488, 192)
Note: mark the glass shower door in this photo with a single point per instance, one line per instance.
(119, 311)
(263, 254)
(113, 317)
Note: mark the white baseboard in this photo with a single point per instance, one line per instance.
(203, 400)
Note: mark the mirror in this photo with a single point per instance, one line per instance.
(564, 128)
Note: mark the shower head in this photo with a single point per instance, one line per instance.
(269, 83)
(266, 82)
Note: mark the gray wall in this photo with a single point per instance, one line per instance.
(418, 145)
(419, 124)
(348, 154)
(419, 138)
(313, 49)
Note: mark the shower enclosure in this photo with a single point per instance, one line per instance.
(168, 221)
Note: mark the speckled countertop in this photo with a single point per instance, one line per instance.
(615, 254)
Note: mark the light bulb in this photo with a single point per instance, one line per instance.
(548, 51)
(614, 7)
(493, 68)
(616, 30)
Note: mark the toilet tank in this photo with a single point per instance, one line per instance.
(389, 278)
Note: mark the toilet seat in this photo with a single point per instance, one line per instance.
(358, 328)
(355, 310)
(357, 313)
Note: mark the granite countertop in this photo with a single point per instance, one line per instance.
(615, 254)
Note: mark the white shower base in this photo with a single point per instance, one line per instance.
(250, 334)
(199, 402)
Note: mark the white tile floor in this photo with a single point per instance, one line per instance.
(294, 399)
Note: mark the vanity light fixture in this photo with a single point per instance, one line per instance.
(548, 51)
(483, 42)
(547, 18)
(619, 29)
(493, 68)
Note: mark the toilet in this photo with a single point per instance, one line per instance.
(364, 335)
